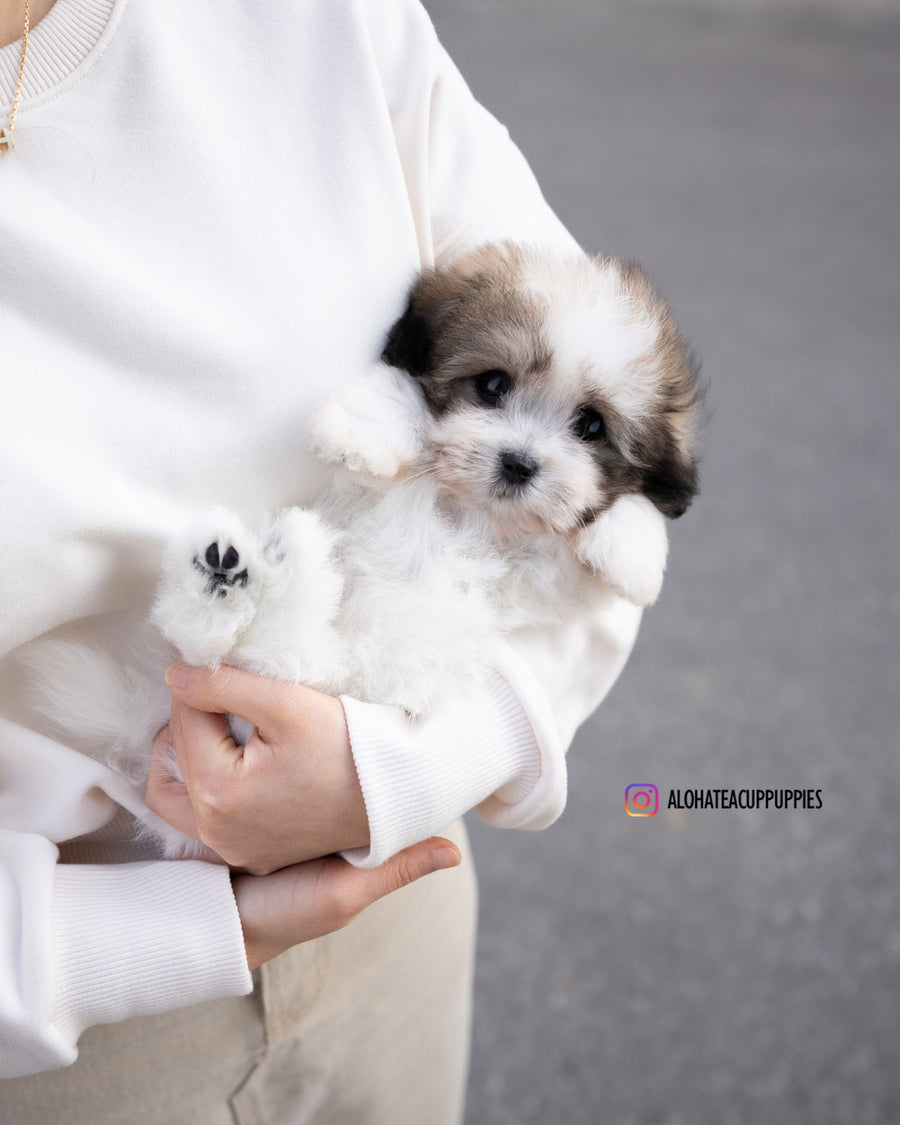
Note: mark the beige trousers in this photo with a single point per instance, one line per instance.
(369, 1025)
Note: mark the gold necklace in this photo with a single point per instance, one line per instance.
(6, 139)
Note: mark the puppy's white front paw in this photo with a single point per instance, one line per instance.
(212, 581)
(374, 424)
(627, 546)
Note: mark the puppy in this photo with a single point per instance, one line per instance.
(509, 463)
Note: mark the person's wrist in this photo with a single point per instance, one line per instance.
(260, 945)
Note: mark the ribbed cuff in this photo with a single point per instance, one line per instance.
(139, 938)
(544, 802)
(418, 777)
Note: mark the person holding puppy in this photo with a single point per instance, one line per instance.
(210, 216)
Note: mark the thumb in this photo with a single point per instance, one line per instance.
(226, 690)
(310, 899)
(363, 885)
(434, 854)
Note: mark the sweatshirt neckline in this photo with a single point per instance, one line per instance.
(69, 36)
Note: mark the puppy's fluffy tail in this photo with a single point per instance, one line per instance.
(110, 709)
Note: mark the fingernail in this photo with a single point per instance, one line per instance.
(177, 675)
(443, 858)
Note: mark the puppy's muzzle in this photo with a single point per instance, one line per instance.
(517, 469)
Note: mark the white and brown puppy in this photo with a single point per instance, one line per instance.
(510, 460)
(509, 464)
(557, 398)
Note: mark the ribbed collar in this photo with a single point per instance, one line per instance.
(71, 33)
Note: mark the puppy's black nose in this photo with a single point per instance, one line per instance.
(518, 468)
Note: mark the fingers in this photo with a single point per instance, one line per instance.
(209, 760)
(262, 701)
(202, 742)
(167, 795)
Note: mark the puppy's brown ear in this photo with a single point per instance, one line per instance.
(410, 341)
(669, 467)
(672, 484)
(670, 477)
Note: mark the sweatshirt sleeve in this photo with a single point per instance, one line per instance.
(170, 936)
(418, 777)
(466, 181)
(503, 750)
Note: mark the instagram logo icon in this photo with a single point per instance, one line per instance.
(641, 800)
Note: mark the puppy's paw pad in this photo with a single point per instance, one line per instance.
(221, 567)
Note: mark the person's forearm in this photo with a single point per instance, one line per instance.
(85, 944)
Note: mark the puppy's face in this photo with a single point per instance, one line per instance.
(555, 385)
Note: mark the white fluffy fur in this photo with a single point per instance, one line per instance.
(593, 328)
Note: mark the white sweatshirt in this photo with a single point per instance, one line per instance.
(212, 215)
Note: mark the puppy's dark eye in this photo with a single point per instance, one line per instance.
(491, 386)
(589, 425)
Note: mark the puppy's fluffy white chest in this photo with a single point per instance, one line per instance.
(429, 590)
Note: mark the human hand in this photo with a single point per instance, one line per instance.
(290, 794)
(308, 900)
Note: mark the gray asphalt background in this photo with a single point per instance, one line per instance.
(710, 968)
